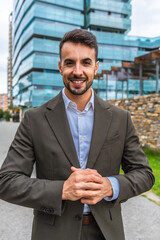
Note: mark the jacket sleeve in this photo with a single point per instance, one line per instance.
(138, 177)
(16, 184)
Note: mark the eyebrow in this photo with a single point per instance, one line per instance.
(68, 59)
(87, 59)
(71, 60)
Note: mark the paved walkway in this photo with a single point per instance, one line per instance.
(141, 217)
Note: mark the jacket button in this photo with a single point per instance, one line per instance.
(47, 210)
(78, 217)
(50, 210)
(43, 209)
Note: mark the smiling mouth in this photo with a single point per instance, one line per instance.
(78, 82)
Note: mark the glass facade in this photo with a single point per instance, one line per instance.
(111, 15)
(38, 27)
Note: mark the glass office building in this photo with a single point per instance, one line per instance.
(108, 16)
(38, 26)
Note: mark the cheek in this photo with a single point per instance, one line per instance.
(88, 71)
(65, 77)
(91, 75)
(67, 73)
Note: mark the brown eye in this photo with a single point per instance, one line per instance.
(86, 63)
(69, 63)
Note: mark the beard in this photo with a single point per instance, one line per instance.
(75, 91)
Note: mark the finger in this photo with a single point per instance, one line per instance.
(88, 194)
(74, 169)
(89, 186)
(91, 194)
(93, 178)
(87, 170)
(93, 174)
(90, 201)
(92, 171)
(87, 175)
(80, 178)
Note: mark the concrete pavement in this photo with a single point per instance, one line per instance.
(141, 217)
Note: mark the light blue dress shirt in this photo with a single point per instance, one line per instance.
(81, 126)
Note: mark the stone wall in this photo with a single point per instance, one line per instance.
(145, 113)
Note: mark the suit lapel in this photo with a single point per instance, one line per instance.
(58, 121)
(102, 120)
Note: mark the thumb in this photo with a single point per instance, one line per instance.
(74, 169)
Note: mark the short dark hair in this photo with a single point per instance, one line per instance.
(80, 36)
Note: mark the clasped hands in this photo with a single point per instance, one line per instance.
(87, 185)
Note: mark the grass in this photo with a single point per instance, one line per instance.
(143, 195)
(154, 162)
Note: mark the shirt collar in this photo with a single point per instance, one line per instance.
(68, 102)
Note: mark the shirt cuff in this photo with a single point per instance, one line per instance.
(115, 186)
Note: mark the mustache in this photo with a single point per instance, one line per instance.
(77, 78)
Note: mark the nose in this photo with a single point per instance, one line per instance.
(78, 71)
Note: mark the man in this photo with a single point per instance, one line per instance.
(78, 143)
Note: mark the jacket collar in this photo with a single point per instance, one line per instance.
(57, 119)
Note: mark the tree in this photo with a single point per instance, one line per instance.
(1, 113)
(7, 115)
(10, 107)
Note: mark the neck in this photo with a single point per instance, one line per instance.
(80, 100)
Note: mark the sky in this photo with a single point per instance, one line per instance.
(145, 22)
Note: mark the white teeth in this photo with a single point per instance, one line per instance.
(78, 81)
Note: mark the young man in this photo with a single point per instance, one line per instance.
(78, 143)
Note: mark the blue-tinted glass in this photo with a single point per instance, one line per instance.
(23, 5)
(37, 61)
(37, 29)
(21, 11)
(54, 13)
(108, 21)
(119, 7)
(43, 28)
(38, 45)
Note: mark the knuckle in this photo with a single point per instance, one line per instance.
(75, 185)
(90, 185)
(76, 177)
(77, 192)
(91, 202)
(91, 194)
(76, 173)
(92, 176)
(94, 201)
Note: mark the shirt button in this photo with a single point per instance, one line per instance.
(80, 115)
(82, 138)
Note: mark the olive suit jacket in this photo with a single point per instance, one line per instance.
(44, 138)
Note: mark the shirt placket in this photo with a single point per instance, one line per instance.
(81, 141)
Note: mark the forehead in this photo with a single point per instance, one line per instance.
(77, 50)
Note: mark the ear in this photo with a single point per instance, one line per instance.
(60, 67)
(96, 67)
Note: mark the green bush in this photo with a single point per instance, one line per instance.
(1, 113)
(7, 115)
